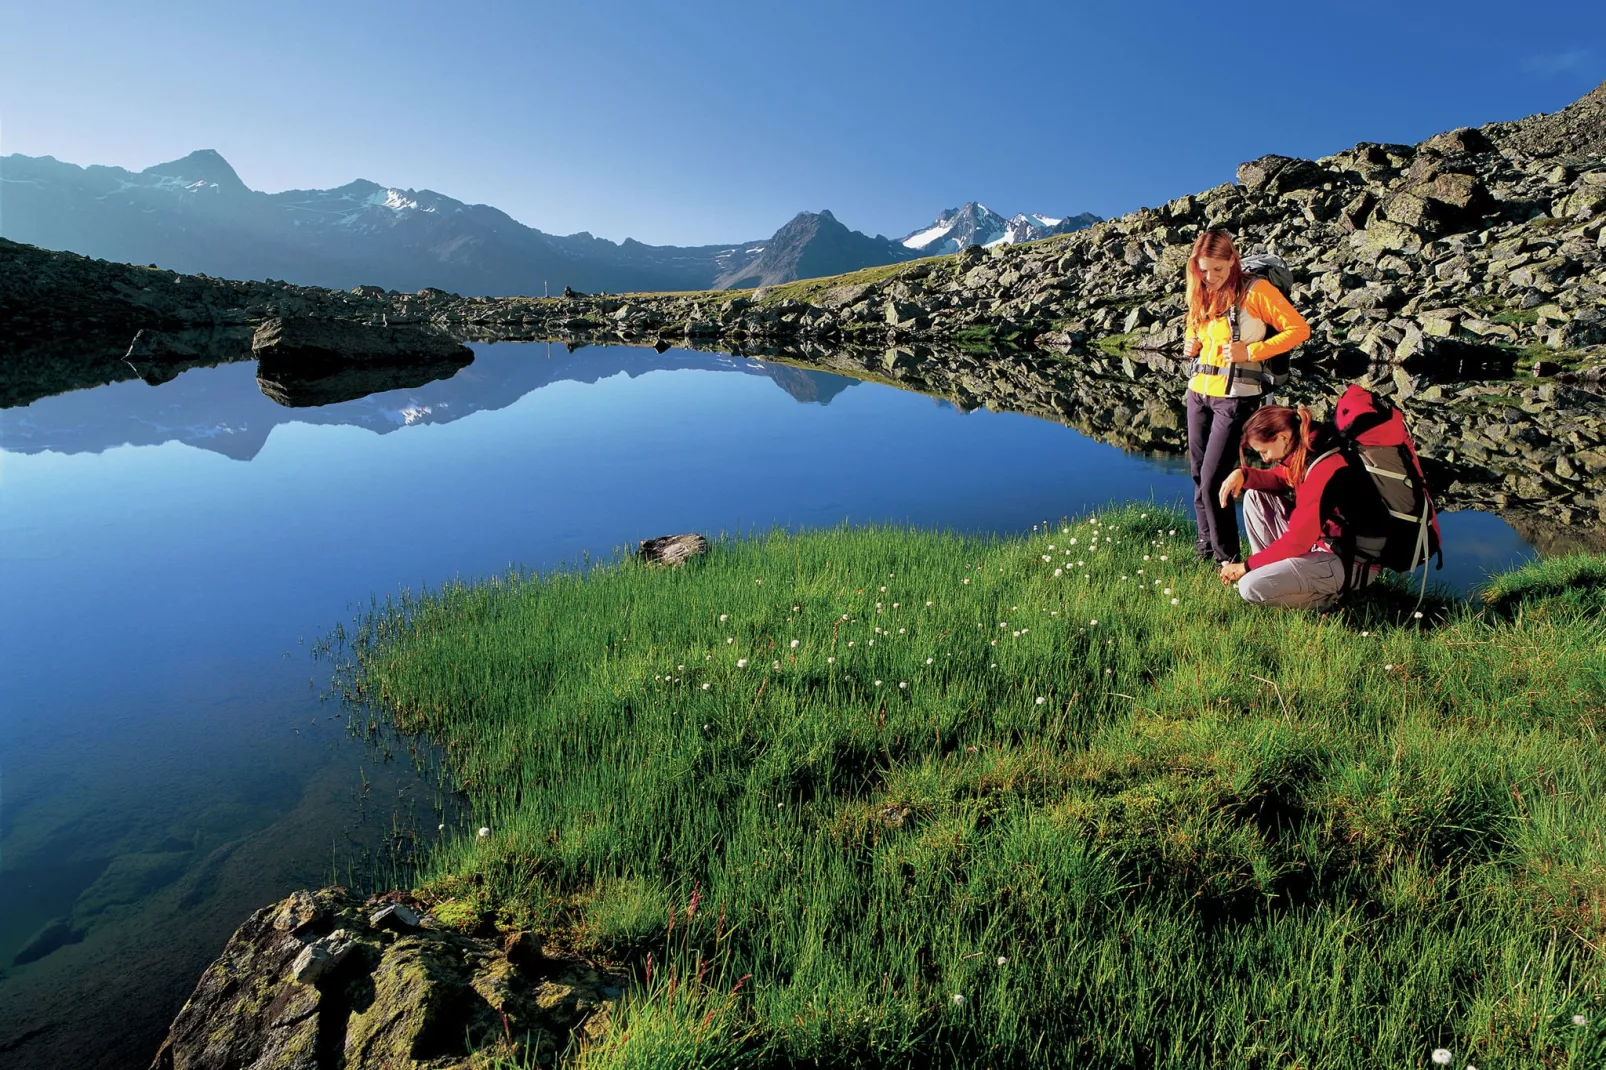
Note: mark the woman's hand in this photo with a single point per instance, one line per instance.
(1191, 347)
(1233, 571)
(1237, 352)
(1231, 487)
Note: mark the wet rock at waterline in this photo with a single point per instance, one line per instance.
(325, 979)
(306, 341)
(672, 549)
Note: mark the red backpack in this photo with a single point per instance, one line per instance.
(1375, 438)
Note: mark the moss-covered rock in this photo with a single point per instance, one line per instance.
(425, 997)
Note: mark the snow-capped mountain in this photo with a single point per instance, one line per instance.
(976, 224)
(195, 215)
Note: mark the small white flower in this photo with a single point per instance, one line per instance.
(1173, 531)
(900, 631)
(1047, 558)
(878, 683)
(484, 832)
(903, 685)
(957, 1000)
(729, 639)
(440, 828)
(707, 686)
(1093, 624)
(1176, 601)
(1145, 557)
(1014, 635)
(967, 579)
(1166, 591)
(1388, 668)
(930, 603)
(797, 609)
(1109, 672)
(795, 643)
(928, 661)
(1417, 614)
(1002, 961)
(895, 605)
(1050, 546)
(708, 728)
(1059, 572)
(1442, 1056)
(1365, 634)
(1041, 700)
(883, 588)
(994, 665)
(830, 661)
(844, 616)
(851, 642)
(1163, 557)
(1580, 1020)
(741, 663)
(776, 664)
(723, 617)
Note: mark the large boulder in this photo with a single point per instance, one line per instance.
(306, 341)
(324, 979)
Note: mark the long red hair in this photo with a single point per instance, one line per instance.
(1271, 421)
(1205, 304)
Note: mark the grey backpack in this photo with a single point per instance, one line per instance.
(1274, 269)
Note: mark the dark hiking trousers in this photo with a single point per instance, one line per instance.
(1214, 427)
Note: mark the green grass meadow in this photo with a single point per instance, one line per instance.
(887, 797)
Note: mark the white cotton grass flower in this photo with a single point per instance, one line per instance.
(830, 661)
(795, 643)
(729, 639)
(1388, 668)
(903, 685)
(957, 1000)
(484, 832)
(883, 588)
(967, 579)
(741, 663)
(1041, 700)
(776, 664)
(929, 602)
(878, 683)
(1441, 1056)
(1580, 1021)
(928, 661)
(723, 617)
(1176, 601)
(1417, 614)
(707, 686)
(440, 828)
(1059, 572)
(1002, 961)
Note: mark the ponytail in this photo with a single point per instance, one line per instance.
(1271, 421)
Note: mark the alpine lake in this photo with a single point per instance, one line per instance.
(172, 550)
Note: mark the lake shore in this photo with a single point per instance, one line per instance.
(882, 795)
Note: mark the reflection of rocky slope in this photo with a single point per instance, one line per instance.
(224, 409)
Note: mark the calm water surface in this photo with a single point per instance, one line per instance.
(169, 554)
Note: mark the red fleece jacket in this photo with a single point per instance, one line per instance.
(1310, 522)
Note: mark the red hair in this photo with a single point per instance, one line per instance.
(1271, 421)
(1205, 304)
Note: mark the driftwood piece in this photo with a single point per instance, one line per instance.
(672, 549)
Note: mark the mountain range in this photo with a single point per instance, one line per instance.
(976, 224)
(196, 215)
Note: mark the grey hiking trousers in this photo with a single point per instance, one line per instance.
(1309, 581)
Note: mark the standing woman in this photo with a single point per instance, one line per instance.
(1227, 381)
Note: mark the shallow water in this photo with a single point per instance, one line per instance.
(169, 554)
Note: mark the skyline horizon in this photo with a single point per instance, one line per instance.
(572, 121)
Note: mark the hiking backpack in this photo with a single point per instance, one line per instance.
(1374, 438)
(1273, 269)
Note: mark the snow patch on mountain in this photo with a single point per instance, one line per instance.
(976, 224)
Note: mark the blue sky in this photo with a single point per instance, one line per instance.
(707, 121)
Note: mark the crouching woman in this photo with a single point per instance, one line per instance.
(1301, 549)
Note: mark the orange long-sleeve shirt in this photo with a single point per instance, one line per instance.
(1268, 323)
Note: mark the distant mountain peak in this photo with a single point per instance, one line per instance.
(973, 223)
(203, 166)
(810, 245)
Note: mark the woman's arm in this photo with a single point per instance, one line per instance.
(1305, 522)
(1266, 303)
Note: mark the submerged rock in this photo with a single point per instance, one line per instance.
(323, 979)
